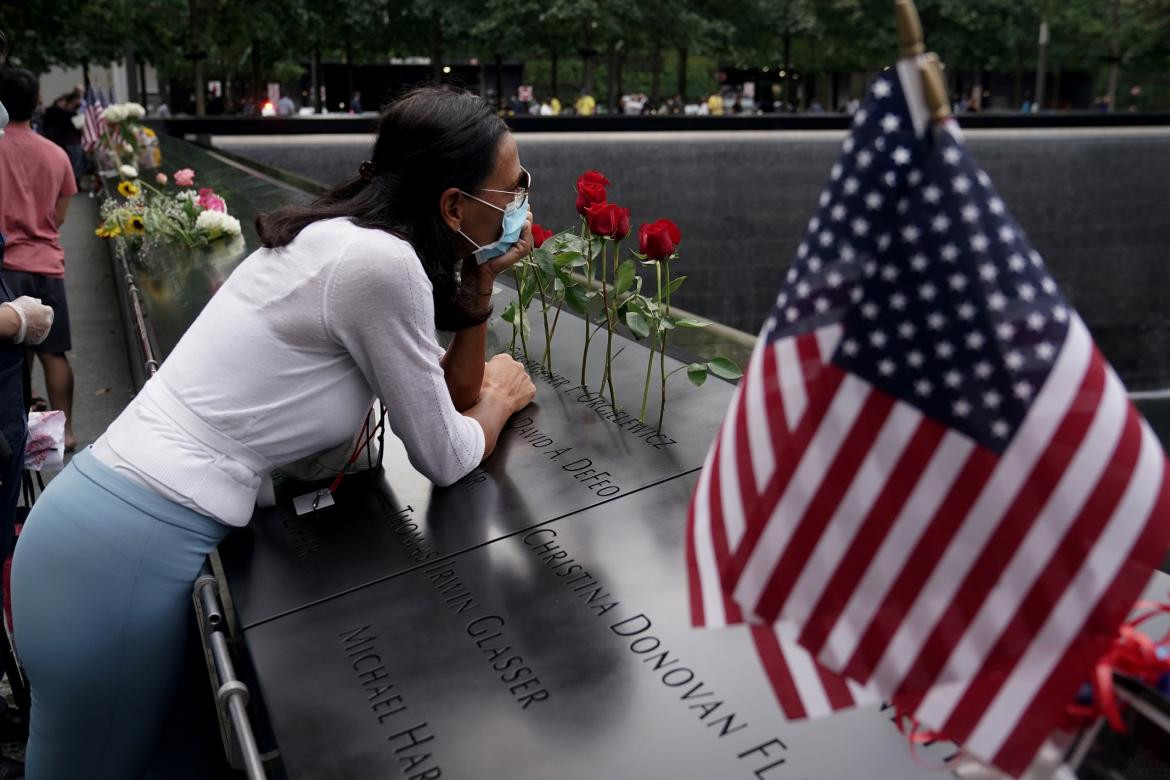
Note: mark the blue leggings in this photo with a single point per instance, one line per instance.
(101, 585)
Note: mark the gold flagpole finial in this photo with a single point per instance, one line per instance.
(935, 87)
(909, 28)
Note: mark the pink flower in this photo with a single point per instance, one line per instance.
(184, 177)
(209, 201)
(160, 177)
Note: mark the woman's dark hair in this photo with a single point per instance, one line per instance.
(429, 140)
(19, 91)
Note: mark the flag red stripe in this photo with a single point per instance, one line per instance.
(694, 585)
(772, 657)
(773, 401)
(812, 363)
(719, 543)
(902, 480)
(974, 474)
(1010, 532)
(744, 471)
(1096, 635)
(787, 461)
(836, 690)
(1074, 548)
(837, 479)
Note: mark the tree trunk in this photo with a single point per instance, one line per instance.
(316, 76)
(85, 78)
(834, 91)
(1018, 82)
(348, 66)
(1114, 53)
(787, 75)
(200, 87)
(499, 81)
(587, 60)
(682, 73)
(131, 67)
(142, 80)
(258, 92)
(611, 94)
(656, 74)
(552, 72)
(437, 44)
(1041, 65)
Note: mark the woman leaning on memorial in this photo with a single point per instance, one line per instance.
(341, 304)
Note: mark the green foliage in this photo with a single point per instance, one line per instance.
(592, 40)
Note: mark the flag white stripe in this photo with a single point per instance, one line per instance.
(804, 672)
(1032, 440)
(803, 484)
(791, 380)
(730, 495)
(827, 340)
(838, 535)
(862, 694)
(912, 520)
(710, 589)
(1033, 556)
(758, 429)
(1066, 621)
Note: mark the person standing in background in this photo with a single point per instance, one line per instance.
(36, 185)
(61, 130)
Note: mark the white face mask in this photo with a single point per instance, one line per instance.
(3, 119)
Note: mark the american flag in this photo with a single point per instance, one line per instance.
(95, 125)
(929, 475)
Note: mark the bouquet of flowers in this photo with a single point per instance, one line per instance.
(584, 269)
(149, 215)
(124, 140)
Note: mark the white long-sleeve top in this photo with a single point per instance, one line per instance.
(284, 362)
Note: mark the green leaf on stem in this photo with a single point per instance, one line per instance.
(725, 368)
(577, 299)
(544, 261)
(626, 273)
(697, 373)
(675, 284)
(571, 259)
(637, 324)
(687, 322)
(509, 313)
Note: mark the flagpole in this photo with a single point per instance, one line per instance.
(909, 28)
(911, 44)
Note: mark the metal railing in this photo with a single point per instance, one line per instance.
(231, 694)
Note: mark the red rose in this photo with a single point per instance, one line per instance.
(592, 177)
(658, 240)
(588, 194)
(608, 220)
(540, 235)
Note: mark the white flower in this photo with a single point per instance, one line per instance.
(128, 172)
(114, 113)
(78, 121)
(217, 222)
(134, 110)
(187, 195)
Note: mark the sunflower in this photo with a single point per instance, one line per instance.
(127, 189)
(107, 231)
(135, 226)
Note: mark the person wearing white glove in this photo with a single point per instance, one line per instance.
(25, 320)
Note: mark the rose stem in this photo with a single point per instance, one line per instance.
(662, 353)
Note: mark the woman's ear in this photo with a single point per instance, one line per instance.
(451, 207)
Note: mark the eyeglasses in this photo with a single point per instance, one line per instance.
(520, 194)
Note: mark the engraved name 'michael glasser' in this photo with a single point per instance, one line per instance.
(524, 685)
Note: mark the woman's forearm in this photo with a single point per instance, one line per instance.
(463, 366)
(491, 412)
